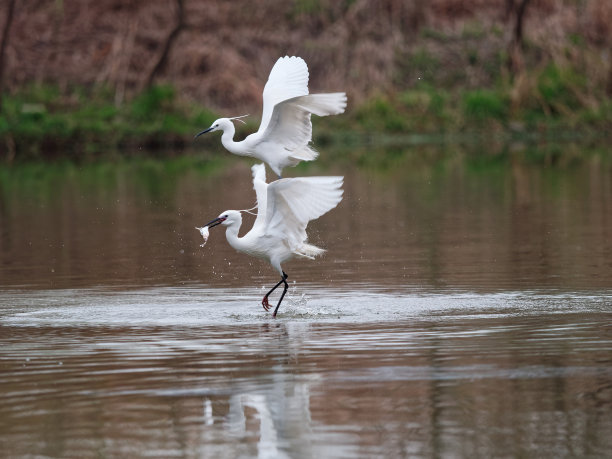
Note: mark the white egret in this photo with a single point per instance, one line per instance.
(285, 130)
(284, 208)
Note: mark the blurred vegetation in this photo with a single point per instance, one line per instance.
(155, 177)
(552, 96)
(552, 103)
(41, 121)
(415, 72)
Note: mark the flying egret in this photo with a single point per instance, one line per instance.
(285, 130)
(284, 208)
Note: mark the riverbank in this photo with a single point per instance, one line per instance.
(42, 122)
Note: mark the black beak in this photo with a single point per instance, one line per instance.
(203, 132)
(215, 222)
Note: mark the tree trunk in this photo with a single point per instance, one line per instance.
(5, 35)
(180, 23)
(515, 50)
(609, 82)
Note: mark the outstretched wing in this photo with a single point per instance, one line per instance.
(288, 78)
(290, 124)
(293, 202)
(261, 192)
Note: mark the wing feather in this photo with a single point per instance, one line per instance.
(261, 192)
(288, 78)
(289, 124)
(293, 202)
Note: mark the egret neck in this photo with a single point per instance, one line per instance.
(227, 139)
(231, 233)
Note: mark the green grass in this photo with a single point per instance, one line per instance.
(560, 89)
(548, 103)
(40, 118)
(483, 104)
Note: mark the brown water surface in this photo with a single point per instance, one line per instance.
(463, 309)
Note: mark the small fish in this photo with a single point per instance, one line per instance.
(204, 232)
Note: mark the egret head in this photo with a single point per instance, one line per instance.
(221, 124)
(226, 218)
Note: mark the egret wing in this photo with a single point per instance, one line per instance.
(290, 124)
(293, 202)
(288, 78)
(261, 192)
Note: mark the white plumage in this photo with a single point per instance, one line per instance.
(284, 208)
(285, 131)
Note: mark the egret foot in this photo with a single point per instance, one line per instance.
(265, 303)
(282, 296)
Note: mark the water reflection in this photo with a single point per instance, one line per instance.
(442, 383)
(493, 223)
(462, 309)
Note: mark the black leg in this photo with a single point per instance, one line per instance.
(283, 295)
(264, 302)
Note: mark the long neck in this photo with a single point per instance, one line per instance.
(231, 235)
(227, 139)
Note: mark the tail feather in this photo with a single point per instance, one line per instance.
(309, 251)
(306, 153)
(332, 103)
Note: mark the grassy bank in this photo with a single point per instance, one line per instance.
(553, 104)
(41, 122)
(552, 99)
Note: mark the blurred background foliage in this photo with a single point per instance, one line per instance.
(78, 79)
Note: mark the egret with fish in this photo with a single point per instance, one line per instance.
(285, 131)
(284, 208)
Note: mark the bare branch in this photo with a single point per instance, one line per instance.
(5, 34)
(163, 57)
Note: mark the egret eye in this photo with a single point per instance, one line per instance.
(216, 125)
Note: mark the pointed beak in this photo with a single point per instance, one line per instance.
(215, 222)
(203, 132)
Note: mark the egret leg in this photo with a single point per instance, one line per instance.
(264, 302)
(282, 296)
